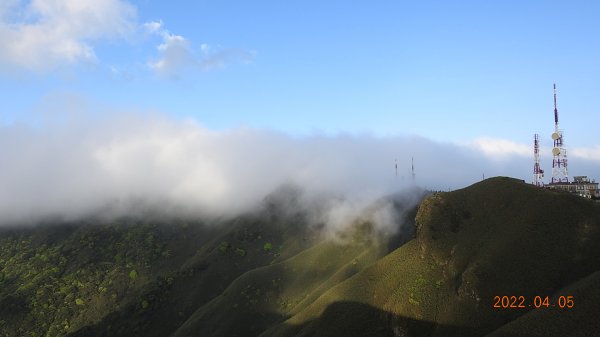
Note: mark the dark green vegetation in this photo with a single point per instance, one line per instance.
(269, 274)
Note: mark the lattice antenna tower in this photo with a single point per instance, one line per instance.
(412, 167)
(559, 153)
(538, 173)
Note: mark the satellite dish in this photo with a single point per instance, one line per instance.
(555, 135)
(556, 151)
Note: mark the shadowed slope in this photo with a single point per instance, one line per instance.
(580, 321)
(247, 306)
(354, 319)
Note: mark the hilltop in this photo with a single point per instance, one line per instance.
(272, 273)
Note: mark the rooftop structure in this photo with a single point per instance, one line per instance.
(581, 186)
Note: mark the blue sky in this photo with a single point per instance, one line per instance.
(213, 104)
(445, 70)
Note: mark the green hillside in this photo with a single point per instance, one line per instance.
(273, 272)
(497, 237)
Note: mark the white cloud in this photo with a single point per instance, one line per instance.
(176, 55)
(589, 153)
(153, 26)
(499, 149)
(45, 34)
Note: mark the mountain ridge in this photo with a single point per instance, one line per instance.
(269, 274)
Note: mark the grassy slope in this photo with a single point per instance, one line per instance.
(504, 237)
(379, 286)
(264, 296)
(497, 237)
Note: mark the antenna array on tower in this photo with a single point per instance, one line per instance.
(538, 173)
(559, 153)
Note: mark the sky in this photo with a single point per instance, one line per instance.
(460, 86)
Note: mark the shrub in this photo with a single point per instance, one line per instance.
(267, 247)
(133, 274)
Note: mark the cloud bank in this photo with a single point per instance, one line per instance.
(86, 164)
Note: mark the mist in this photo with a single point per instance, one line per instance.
(119, 164)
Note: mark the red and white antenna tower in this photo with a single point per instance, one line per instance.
(559, 153)
(538, 173)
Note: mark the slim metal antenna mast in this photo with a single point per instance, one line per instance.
(538, 173)
(559, 152)
(555, 111)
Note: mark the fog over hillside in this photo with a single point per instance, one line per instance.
(86, 163)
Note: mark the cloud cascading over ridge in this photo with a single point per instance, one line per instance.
(85, 164)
